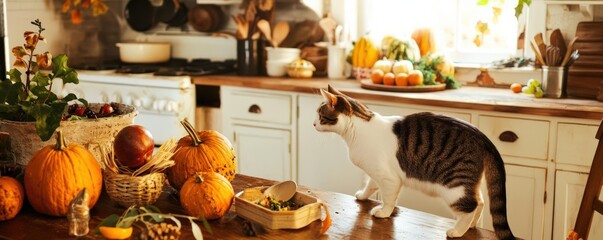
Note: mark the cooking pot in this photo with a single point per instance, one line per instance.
(144, 52)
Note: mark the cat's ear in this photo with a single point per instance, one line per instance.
(330, 99)
(334, 91)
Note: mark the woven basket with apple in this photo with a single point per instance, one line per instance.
(133, 175)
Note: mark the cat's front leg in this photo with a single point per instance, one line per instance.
(390, 188)
(370, 187)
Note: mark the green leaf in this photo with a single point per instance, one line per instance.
(451, 83)
(110, 221)
(59, 65)
(148, 207)
(69, 97)
(155, 216)
(39, 91)
(482, 2)
(519, 7)
(14, 75)
(70, 77)
(48, 117)
(15, 93)
(83, 101)
(41, 79)
(196, 230)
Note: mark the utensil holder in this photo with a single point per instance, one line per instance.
(250, 57)
(554, 81)
(336, 62)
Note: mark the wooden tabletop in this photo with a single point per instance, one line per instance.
(466, 97)
(350, 221)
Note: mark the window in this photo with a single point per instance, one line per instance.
(455, 23)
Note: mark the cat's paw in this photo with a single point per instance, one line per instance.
(360, 195)
(453, 233)
(379, 212)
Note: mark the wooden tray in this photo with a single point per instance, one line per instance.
(367, 84)
(295, 219)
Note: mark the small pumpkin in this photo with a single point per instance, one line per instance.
(203, 151)
(11, 197)
(425, 40)
(206, 194)
(57, 173)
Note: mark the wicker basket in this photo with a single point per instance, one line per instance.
(96, 135)
(129, 190)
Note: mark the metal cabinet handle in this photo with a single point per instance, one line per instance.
(255, 109)
(508, 136)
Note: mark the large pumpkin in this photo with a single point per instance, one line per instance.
(11, 197)
(57, 173)
(204, 151)
(206, 194)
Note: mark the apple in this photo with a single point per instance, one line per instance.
(402, 66)
(133, 146)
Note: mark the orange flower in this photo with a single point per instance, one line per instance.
(20, 63)
(85, 4)
(31, 40)
(19, 52)
(66, 6)
(99, 7)
(44, 60)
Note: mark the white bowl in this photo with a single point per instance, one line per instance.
(277, 68)
(284, 54)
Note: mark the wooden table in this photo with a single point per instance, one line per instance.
(350, 221)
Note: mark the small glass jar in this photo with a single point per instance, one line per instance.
(78, 221)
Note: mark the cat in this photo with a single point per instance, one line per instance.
(438, 155)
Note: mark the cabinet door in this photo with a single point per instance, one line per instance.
(569, 188)
(263, 152)
(525, 202)
(323, 160)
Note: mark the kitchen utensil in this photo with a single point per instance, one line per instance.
(553, 56)
(541, 47)
(575, 55)
(264, 27)
(282, 191)
(281, 30)
(537, 53)
(144, 52)
(328, 25)
(557, 40)
(205, 17)
(554, 81)
(568, 51)
(181, 16)
(167, 10)
(140, 15)
(251, 17)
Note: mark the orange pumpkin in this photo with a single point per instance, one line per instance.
(11, 197)
(57, 173)
(204, 151)
(207, 194)
(425, 40)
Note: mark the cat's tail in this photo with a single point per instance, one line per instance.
(495, 178)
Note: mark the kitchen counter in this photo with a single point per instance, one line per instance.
(350, 220)
(466, 97)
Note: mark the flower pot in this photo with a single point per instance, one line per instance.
(95, 134)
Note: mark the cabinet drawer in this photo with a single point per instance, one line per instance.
(263, 107)
(576, 143)
(532, 136)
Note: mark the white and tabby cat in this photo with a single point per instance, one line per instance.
(438, 155)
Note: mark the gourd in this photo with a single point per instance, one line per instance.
(11, 197)
(207, 194)
(425, 40)
(365, 53)
(57, 173)
(203, 151)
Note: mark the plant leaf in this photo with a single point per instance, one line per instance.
(175, 221)
(15, 75)
(205, 223)
(83, 101)
(70, 77)
(155, 216)
(41, 79)
(48, 117)
(152, 207)
(59, 65)
(110, 221)
(482, 2)
(69, 97)
(196, 230)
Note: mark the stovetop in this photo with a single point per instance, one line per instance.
(174, 67)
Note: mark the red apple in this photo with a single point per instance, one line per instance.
(133, 146)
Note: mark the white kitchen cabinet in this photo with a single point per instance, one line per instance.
(525, 202)
(263, 152)
(569, 188)
(323, 160)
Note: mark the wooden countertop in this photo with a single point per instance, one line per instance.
(350, 221)
(466, 97)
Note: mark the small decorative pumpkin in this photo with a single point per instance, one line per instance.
(208, 194)
(11, 197)
(425, 40)
(57, 173)
(204, 151)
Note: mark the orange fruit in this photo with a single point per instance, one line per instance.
(402, 79)
(516, 87)
(115, 232)
(415, 77)
(377, 76)
(389, 79)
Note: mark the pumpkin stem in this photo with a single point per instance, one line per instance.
(60, 141)
(191, 132)
(198, 178)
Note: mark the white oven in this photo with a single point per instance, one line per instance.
(162, 101)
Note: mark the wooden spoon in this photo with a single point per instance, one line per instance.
(557, 40)
(570, 48)
(537, 52)
(282, 191)
(281, 30)
(541, 47)
(264, 27)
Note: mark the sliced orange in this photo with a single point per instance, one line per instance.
(115, 232)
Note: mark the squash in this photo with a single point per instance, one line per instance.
(425, 40)
(11, 197)
(207, 194)
(203, 151)
(57, 173)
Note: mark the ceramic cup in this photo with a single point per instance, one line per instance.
(336, 62)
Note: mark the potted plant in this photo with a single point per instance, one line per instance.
(31, 112)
